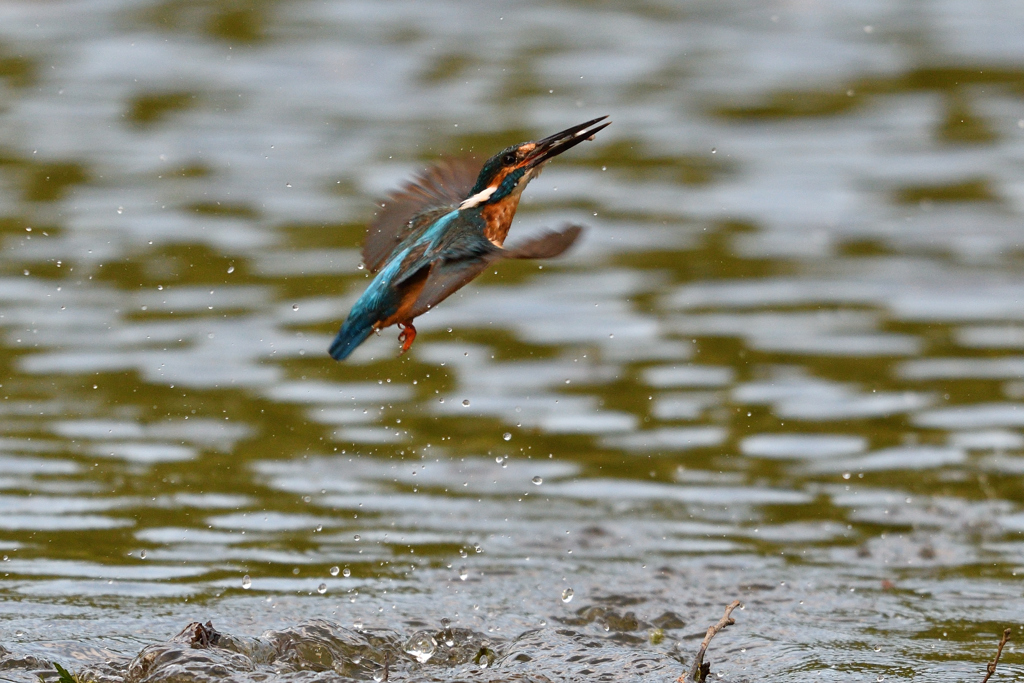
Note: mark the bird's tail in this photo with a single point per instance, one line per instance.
(353, 333)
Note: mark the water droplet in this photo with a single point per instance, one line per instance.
(361, 266)
(567, 595)
(346, 572)
(357, 537)
(485, 657)
(142, 554)
(287, 184)
(507, 436)
(120, 209)
(322, 588)
(334, 571)
(463, 573)
(714, 151)
(538, 480)
(246, 582)
(462, 553)
(295, 307)
(476, 547)
(231, 269)
(421, 647)
(446, 632)
(878, 648)
(465, 402)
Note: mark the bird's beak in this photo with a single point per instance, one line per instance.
(554, 145)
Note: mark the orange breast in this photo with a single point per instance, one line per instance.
(499, 218)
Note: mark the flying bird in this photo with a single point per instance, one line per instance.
(444, 228)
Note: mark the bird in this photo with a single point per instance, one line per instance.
(445, 227)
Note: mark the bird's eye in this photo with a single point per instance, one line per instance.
(509, 159)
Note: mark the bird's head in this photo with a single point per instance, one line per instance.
(508, 172)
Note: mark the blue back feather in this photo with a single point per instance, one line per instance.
(378, 302)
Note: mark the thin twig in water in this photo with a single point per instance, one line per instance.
(999, 653)
(698, 672)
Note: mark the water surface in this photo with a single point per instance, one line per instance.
(785, 365)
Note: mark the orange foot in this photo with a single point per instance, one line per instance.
(407, 336)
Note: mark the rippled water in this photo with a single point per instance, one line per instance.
(785, 365)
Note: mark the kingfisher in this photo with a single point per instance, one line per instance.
(445, 227)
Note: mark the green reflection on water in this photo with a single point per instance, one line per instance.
(446, 67)
(146, 109)
(630, 158)
(228, 20)
(961, 124)
(43, 181)
(17, 70)
(971, 190)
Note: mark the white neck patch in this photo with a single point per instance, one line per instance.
(478, 199)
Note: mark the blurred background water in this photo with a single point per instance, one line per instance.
(785, 365)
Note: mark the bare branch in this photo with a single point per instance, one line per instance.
(999, 653)
(699, 671)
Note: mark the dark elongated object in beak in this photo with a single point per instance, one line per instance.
(553, 145)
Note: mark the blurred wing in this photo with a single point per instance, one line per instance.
(468, 259)
(441, 185)
(548, 244)
(461, 261)
(445, 279)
